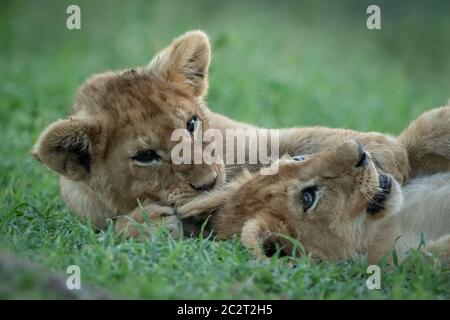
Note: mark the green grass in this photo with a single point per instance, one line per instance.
(277, 65)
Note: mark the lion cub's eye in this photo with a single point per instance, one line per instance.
(146, 156)
(308, 197)
(190, 125)
(298, 158)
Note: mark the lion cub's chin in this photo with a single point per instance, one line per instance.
(386, 202)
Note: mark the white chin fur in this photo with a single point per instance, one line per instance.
(395, 201)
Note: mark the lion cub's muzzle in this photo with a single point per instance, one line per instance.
(377, 203)
(380, 194)
(205, 186)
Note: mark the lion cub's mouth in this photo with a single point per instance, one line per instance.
(378, 200)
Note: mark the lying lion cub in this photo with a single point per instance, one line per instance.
(115, 146)
(336, 204)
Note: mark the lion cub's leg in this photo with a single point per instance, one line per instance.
(440, 247)
(427, 140)
(189, 216)
(141, 221)
(203, 204)
(212, 201)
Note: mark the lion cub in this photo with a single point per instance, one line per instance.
(336, 204)
(114, 149)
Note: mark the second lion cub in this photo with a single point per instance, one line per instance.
(337, 205)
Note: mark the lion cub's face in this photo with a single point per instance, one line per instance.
(330, 202)
(117, 144)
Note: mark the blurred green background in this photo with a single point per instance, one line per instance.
(275, 64)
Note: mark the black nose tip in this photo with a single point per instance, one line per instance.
(204, 187)
(362, 156)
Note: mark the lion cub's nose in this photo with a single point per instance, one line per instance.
(352, 153)
(205, 186)
(362, 156)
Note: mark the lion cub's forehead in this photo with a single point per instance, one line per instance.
(131, 95)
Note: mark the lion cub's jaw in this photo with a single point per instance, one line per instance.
(322, 202)
(116, 146)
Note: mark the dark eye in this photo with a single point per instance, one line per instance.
(146, 156)
(298, 158)
(190, 125)
(308, 197)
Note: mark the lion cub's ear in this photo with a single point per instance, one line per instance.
(185, 63)
(66, 147)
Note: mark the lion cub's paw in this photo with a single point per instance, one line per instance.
(440, 248)
(143, 221)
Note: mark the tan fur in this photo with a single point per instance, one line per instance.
(428, 150)
(263, 210)
(117, 114)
